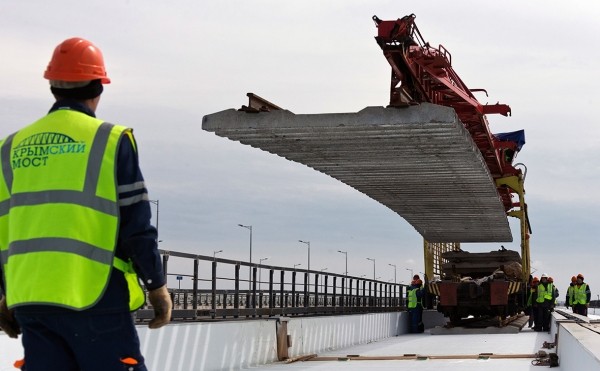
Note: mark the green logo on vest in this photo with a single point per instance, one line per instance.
(35, 150)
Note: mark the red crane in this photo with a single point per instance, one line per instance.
(422, 73)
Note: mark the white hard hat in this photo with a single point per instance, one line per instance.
(544, 275)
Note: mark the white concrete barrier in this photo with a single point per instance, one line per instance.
(232, 345)
(316, 334)
(209, 345)
(578, 345)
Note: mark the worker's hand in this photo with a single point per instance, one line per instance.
(8, 323)
(161, 302)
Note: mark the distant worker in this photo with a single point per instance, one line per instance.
(556, 292)
(569, 297)
(530, 308)
(581, 296)
(75, 231)
(415, 306)
(544, 299)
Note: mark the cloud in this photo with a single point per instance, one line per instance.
(171, 65)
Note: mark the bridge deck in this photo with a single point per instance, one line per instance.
(513, 352)
(419, 161)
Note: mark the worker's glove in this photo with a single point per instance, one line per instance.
(8, 323)
(161, 302)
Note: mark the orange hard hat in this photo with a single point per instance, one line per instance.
(550, 279)
(573, 279)
(76, 59)
(535, 279)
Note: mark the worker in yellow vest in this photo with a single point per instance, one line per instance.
(414, 301)
(556, 292)
(569, 297)
(544, 297)
(530, 309)
(581, 296)
(75, 230)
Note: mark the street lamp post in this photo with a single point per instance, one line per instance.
(393, 265)
(373, 260)
(249, 227)
(215, 254)
(260, 260)
(411, 273)
(345, 253)
(297, 265)
(307, 244)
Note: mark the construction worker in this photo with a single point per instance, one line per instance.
(569, 297)
(415, 306)
(530, 309)
(581, 296)
(75, 231)
(544, 299)
(556, 292)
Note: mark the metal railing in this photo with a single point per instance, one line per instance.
(216, 290)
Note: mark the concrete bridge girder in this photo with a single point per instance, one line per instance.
(418, 161)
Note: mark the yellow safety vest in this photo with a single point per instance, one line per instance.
(544, 293)
(570, 295)
(59, 212)
(413, 300)
(531, 291)
(580, 294)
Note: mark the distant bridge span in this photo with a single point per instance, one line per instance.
(419, 161)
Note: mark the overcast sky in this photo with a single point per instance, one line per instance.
(171, 62)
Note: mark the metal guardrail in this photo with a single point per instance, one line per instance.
(289, 291)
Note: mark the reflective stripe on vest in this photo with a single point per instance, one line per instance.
(413, 300)
(580, 294)
(544, 293)
(59, 212)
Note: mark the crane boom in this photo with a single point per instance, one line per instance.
(422, 73)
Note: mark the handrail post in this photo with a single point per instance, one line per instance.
(271, 296)
(236, 298)
(214, 289)
(350, 302)
(334, 302)
(325, 291)
(254, 291)
(316, 291)
(305, 289)
(195, 287)
(281, 288)
(294, 302)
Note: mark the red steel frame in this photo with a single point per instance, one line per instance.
(421, 73)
